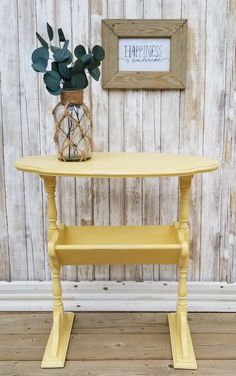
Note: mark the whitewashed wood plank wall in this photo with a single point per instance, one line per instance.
(199, 120)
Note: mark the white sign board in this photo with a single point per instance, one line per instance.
(145, 55)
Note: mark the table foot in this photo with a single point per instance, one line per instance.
(58, 341)
(181, 343)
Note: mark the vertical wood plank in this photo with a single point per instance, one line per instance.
(151, 108)
(170, 106)
(133, 142)
(116, 143)
(30, 140)
(12, 126)
(4, 248)
(213, 136)
(99, 105)
(66, 186)
(191, 118)
(84, 203)
(45, 12)
(228, 178)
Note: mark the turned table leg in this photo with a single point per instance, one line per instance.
(181, 342)
(56, 349)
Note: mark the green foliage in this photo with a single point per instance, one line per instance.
(79, 81)
(79, 51)
(52, 81)
(41, 40)
(50, 32)
(95, 73)
(61, 35)
(40, 59)
(64, 70)
(98, 52)
(64, 73)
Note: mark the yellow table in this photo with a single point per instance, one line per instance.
(119, 244)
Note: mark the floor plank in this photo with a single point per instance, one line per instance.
(115, 322)
(119, 368)
(117, 343)
(117, 346)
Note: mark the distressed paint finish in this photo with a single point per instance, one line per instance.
(116, 143)
(192, 118)
(214, 123)
(151, 113)
(169, 143)
(133, 142)
(198, 121)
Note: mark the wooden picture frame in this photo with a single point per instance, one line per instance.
(175, 78)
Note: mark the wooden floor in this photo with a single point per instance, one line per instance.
(115, 344)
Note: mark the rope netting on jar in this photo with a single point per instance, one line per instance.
(73, 130)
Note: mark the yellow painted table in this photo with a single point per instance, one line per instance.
(119, 244)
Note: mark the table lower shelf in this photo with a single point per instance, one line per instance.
(118, 245)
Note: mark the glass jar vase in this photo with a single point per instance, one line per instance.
(73, 127)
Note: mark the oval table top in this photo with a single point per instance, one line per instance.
(119, 164)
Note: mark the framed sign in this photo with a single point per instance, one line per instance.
(144, 54)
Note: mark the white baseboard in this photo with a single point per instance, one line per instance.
(117, 296)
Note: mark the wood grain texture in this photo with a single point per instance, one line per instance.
(227, 220)
(116, 367)
(66, 187)
(214, 123)
(145, 28)
(169, 143)
(107, 343)
(99, 107)
(30, 143)
(200, 120)
(144, 80)
(4, 247)
(13, 190)
(116, 143)
(39, 323)
(117, 346)
(151, 142)
(133, 142)
(45, 12)
(89, 343)
(192, 118)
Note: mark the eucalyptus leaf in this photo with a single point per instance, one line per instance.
(54, 67)
(40, 65)
(87, 59)
(98, 52)
(40, 52)
(50, 32)
(65, 72)
(68, 60)
(79, 81)
(54, 48)
(52, 80)
(95, 73)
(61, 35)
(65, 46)
(94, 64)
(42, 41)
(54, 92)
(78, 66)
(67, 83)
(79, 51)
(60, 55)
